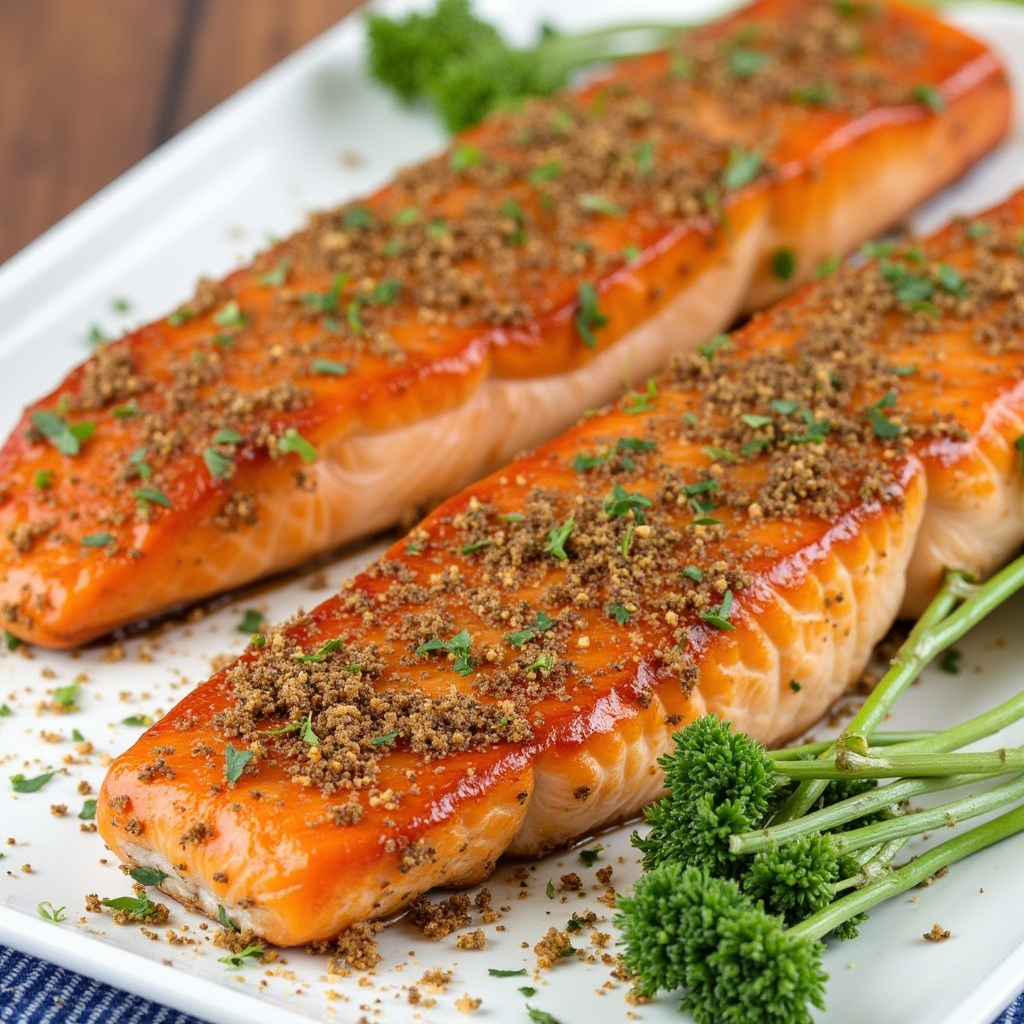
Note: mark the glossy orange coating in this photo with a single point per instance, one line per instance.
(822, 590)
(396, 432)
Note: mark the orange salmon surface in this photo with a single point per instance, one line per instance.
(734, 537)
(399, 347)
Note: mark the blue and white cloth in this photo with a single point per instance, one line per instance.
(35, 992)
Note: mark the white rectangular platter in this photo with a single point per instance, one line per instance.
(311, 133)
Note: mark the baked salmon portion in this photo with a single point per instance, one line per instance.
(399, 347)
(733, 537)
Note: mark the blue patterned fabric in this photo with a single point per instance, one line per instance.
(34, 992)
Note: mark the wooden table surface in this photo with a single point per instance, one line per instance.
(89, 87)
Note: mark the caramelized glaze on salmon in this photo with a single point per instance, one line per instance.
(400, 347)
(733, 538)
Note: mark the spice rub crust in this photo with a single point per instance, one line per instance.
(733, 537)
(518, 270)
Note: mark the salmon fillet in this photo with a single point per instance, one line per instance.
(734, 537)
(401, 346)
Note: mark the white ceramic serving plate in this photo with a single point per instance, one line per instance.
(310, 133)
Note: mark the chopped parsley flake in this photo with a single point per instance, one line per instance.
(827, 267)
(235, 762)
(329, 368)
(949, 661)
(140, 721)
(66, 437)
(230, 315)
(291, 441)
(557, 536)
(590, 856)
(147, 876)
(543, 663)
(541, 624)
(885, 429)
(741, 169)
(618, 612)
(593, 203)
(326, 648)
(220, 465)
(744, 63)
(929, 96)
(179, 317)
(126, 411)
(21, 784)
(278, 276)
(384, 738)
(326, 302)
(251, 621)
(621, 502)
(225, 920)
(240, 958)
(589, 317)
(43, 479)
(719, 617)
(537, 1016)
(66, 696)
(643, 154)
(497, 972)
(137, 907)
(814, 95)
(709, 349)
(358, 217)
(551, 171)
(97, 540)
(637, 402)
(458, 646)
(465, 157)
(784, 264)
(151, 495)
(48, 912)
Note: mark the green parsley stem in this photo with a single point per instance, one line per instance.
(909, 875)
(958, 606)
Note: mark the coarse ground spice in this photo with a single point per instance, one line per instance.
(648, 537)
(517, 221)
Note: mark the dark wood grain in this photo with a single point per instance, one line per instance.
(89, 88)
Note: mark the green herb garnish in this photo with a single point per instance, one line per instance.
(235, 762)
(48, 912)
(741, 168)
(291, 441)
(784, 264)
(719, 617)
(589, 317)
(66, 437)
(97, 540)
(219, 465)
(21, 784)
(329, 368)
(557, 536)
(240, 958)
(251, 621)
(458, 646)
(147, 876)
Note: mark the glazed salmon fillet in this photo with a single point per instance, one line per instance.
(733, 537)
(399, 347)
